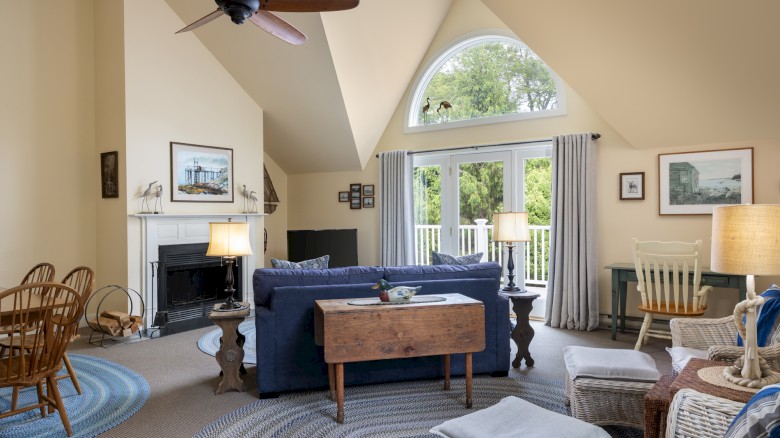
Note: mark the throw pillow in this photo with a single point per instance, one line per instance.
(439, 258)
(610, 363)
(760, 417)
(318, 263)
(681, 356)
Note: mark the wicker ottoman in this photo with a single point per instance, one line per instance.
(608, 386)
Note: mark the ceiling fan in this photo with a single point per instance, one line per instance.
(259, 13)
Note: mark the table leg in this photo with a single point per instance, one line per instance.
(331, 382)
(523, 332)
(340, 392)
(468, 381)
(622, 289)
(230, 357)
(446, 372)
(615, 299)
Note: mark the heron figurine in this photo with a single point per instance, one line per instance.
(254, 201)
(245, 194)
(158, 197)
(425, 110)
(146, 195)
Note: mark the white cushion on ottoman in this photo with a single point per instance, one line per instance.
(610, 363)
(514, 417)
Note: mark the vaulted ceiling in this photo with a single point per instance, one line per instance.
(662, 74)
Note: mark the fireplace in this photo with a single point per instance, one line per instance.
(164, 230)
(190, 283)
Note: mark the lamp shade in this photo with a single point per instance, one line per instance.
(228, 239)
(746, 239)
(511, 226)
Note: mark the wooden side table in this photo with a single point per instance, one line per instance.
(231, 348)
(657, 402)
(522, 304)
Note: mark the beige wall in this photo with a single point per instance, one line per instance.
(313, 201)
(177, 91)
(276, 223)
(48, 164)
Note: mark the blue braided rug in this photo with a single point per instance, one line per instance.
(209, 343)
(111, 394)
(404, 409)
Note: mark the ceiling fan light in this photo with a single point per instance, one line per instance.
(239, 10)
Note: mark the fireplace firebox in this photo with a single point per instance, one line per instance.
(190, 283)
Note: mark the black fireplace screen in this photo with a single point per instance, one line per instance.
(190, 283)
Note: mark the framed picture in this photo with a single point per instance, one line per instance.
(343, 196)
(368, 190)
(354, 191)
(632, 185)
(201, 173)
(109, 174)
(368, 202)
(354, 203)
(695, 182)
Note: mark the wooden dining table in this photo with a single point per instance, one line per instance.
(36, 301)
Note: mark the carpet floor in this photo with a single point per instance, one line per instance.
(111, 394)
(392, 410)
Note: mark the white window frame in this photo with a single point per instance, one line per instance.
(448, 51)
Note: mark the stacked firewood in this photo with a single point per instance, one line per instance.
(117, 323)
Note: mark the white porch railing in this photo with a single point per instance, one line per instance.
(479, 238)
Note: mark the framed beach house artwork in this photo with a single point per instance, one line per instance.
(201, 173)
(695, 182)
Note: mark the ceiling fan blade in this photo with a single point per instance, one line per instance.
(307, 5)
(278, 27)
(208, 18)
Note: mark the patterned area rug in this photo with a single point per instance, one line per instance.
(111, 394)
(209, 343)
(406, 409)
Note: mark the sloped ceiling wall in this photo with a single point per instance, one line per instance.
(327, 102)
(664, 73)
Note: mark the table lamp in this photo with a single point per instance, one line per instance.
(510, 227)
(746, 241)
(229, 240)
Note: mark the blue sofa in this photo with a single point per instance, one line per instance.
(288, 359)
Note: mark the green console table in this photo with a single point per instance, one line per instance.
(622, 273)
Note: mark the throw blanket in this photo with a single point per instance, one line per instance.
(768, 317)
(760, 417)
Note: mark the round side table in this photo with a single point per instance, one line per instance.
(522, 303)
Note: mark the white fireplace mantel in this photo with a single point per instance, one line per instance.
(174, 229)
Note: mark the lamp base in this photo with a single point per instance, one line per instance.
(512, 288)
(733, 374)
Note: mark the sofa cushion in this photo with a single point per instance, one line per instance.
(515, 417)
(318, 263)
(439, 258)
(760, 417)
(264, 280)
(442, 272)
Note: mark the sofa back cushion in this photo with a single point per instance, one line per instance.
(264, 280)
(442, 272)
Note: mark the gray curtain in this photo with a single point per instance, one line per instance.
(396, 224)
(573, 289)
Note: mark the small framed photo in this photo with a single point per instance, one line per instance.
(368, 190)
(632, 186)
(343, 196)
(368, 202)
(354, 191)
(109, 174)
(354, 203)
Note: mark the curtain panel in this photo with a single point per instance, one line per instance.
(573, 289)
(396, 219)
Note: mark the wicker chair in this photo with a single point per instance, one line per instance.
(718, 337)
(694, 414)
(662, 270)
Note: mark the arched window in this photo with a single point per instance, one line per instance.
(484, 79)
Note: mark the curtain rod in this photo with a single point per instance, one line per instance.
(595, 136)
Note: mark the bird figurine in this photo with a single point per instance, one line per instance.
(444, 104)
(254, 201)
(425, 109)
(245, 194)
(158, 197)
(397, 294)
(146, 195)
